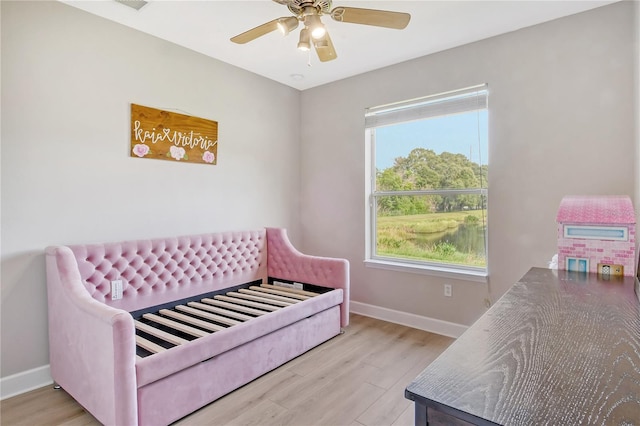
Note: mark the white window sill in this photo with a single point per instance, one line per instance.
(437, 271)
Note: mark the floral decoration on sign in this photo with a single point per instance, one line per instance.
(177, 153)
(170, 136)
(141, 150)
(208, 157)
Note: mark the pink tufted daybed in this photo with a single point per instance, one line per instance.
(94, 341)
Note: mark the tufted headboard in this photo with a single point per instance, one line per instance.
(159, 271)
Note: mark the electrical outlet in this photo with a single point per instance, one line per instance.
(447, 290)
(116, 289)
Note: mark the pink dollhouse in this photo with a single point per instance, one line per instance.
(597, 234)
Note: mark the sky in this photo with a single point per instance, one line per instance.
(457, 134)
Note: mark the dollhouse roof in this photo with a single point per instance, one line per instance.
(608, 209)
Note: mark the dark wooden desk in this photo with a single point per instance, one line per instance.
(558, 348)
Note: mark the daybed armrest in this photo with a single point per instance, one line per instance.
(91, 345)
(285, 262)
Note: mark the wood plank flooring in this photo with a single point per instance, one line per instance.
(355, 379)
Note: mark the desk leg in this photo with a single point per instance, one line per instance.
(420, 418)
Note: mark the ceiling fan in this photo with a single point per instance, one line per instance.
(314, 32)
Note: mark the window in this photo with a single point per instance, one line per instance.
(428, 187)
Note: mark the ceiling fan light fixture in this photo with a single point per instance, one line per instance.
(314, 23)
(318, 32)
(286, 25)
(303, 43)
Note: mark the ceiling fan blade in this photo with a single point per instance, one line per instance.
(324, 48)
(378, 18)
(256, 32)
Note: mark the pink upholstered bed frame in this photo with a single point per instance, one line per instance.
(92, 338)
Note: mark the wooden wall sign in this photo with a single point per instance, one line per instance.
(165, 135)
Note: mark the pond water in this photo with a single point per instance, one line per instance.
(466, 239)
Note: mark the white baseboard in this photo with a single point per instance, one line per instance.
(432, 325)
(24, 382)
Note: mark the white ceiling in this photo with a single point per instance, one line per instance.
(207, 26)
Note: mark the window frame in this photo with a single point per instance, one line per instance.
(393, 114)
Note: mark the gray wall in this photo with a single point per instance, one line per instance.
(561, 122)
(68, 79)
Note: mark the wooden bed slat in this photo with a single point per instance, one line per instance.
(215, 314)
(207, 315)
(160, 334)
(289, 292)
(221, 311)
(191, 320)
(230, 298)
(233, 306)
(269, 296)
(148, 345)
(176, 325)
(243, 295)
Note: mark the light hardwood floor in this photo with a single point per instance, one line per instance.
(355, 379)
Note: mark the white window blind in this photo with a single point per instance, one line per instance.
(459, 101)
